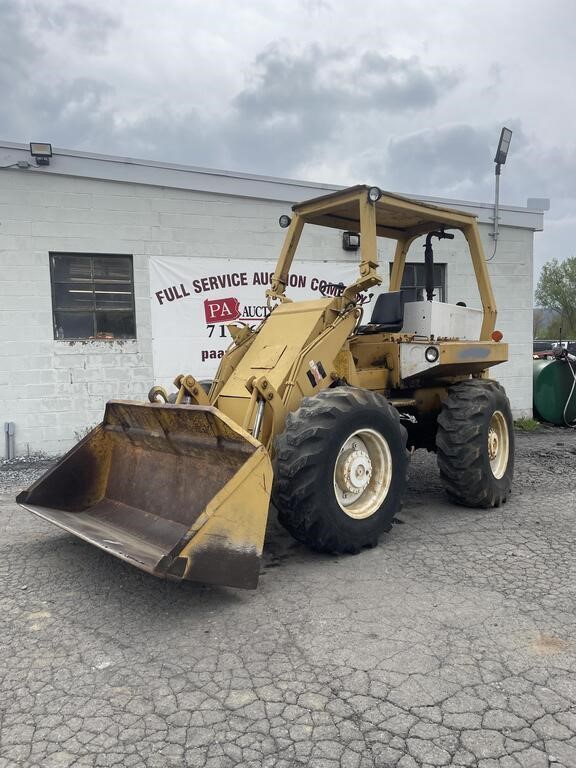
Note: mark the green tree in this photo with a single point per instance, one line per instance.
(556, 290)
(539, 322)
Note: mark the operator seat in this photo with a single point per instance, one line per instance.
(387, 315)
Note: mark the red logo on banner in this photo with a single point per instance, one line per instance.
(221, 310)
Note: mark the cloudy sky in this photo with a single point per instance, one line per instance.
(409, 95)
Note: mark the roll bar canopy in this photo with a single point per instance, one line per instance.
(391, 216)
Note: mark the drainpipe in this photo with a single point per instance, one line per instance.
(9, 431)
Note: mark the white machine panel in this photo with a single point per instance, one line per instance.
(435, 318)
(413, 360)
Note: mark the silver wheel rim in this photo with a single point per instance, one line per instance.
(498, 444)
(362, 473)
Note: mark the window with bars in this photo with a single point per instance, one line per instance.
(414, 282)
(92, 296)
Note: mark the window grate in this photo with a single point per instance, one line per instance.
(92, 296)
(414, 281)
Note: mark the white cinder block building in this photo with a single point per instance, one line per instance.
(78, 236)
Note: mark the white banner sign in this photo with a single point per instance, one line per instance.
(193, 299)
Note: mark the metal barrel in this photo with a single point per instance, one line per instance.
(179, 491)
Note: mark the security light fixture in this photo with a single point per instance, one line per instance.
(500, 159)
(374, 194)
(350, 241)
(42, 152)
(503, 146)
(284, 221)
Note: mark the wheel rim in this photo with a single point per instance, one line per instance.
(362, 473)
(498, 444)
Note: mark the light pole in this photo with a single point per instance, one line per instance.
(500, 159)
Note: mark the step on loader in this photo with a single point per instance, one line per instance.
(316, 409)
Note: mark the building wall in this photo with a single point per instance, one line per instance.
(55, 390)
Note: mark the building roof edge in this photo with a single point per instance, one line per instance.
(67, 162)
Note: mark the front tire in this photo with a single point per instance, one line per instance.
(340, 470)
(475, 444)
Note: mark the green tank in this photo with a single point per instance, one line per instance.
(553, 382)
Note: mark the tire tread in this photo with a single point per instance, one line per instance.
(460, 445)
(298, 454)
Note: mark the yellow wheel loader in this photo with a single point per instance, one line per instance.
(316, 408)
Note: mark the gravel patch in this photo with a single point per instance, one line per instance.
(20, 472)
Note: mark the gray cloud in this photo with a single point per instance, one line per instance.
(89, 27)
(458, 160)
(38, 103)
(336, 80)
(450, 158)
(18, 51)
(315, 6)
(19, 59)
(299, 100)
(187, 137)
(294, 103)
(552, 170)
(76, 109)
(396, 85)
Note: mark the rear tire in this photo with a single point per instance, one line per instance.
(475, 444)
(340, 470)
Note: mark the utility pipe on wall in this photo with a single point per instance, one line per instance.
(9, 432)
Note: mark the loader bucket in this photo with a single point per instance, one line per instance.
(179, 491)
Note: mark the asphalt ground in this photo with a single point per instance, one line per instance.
(451, 643)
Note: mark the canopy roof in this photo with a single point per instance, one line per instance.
(396, 217)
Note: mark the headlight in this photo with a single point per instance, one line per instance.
(374, 194)
(431, 354)
(284, 221)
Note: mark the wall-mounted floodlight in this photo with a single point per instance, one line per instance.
(350, 241)
(41, 152)
(500, 159)
(284, 221)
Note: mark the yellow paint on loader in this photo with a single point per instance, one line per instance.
(182, 490)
